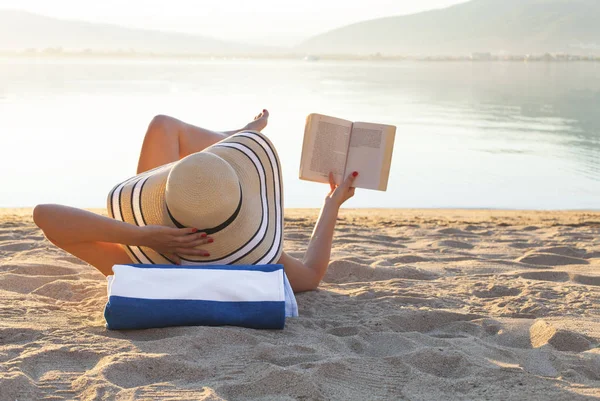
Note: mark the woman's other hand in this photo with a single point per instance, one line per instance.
(307, 274)
(340, 193)
(174, 241)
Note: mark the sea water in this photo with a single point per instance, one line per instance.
(470, 135)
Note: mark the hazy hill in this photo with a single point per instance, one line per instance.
(21, 30)
(515, 26)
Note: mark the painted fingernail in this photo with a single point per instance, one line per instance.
(194, 230)
(210, 240)
(354, 174)
(203, 235)
(206, 254)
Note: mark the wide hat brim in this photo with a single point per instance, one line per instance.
(253, 236)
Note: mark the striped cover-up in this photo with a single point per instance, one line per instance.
(149, 296)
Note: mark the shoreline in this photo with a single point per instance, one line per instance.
(28, 209)
(552, 58)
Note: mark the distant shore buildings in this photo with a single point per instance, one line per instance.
(547, 57)
(132, 53)
(481, 56)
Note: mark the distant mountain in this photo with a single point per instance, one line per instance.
(513, 26)
(21, 30)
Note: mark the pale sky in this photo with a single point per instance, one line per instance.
(280, 22)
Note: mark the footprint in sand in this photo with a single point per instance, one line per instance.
(472, 227)
(296, 219)
(344, 271)
(19, 335)
(455, 231)
(296, 236)
(584, 279)
(557, 276)
(407, 259)
(543, 333)
(521, 245)
(561, 276)
(452, 244)
(18, 246)
(496, 291)
(549, 259)
(440, 362)
(564, 251)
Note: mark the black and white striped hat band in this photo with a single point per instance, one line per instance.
(231, 190)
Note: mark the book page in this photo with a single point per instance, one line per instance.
(370, 153)
(325, 147)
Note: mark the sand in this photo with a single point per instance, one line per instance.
(416, 305)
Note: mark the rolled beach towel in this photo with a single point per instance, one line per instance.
(142, 296)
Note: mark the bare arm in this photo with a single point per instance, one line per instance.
(306, 275)
(67, 225)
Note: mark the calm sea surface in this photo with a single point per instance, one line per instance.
(472, 135)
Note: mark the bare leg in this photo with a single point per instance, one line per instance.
(169, 139)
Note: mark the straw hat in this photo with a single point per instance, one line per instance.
(231, 190)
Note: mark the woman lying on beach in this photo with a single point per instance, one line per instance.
(234, 179)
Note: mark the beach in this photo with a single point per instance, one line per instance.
(415, 305)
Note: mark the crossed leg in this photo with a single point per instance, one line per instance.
(167, 140)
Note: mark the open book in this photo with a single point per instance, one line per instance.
(342, 147)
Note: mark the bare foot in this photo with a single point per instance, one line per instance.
(259, 123)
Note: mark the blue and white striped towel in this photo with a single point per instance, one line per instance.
(148, 296)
